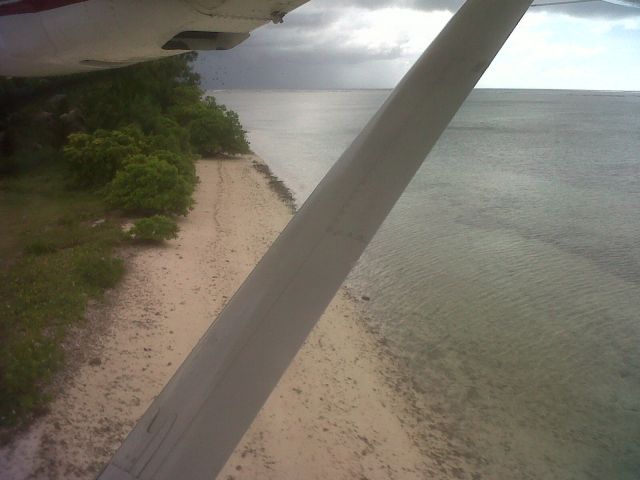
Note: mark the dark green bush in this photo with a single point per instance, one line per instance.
(235, 139)
(183, 162)
(94, 159)
(21, 161)
(33, 127)
(212, 128)
(166, 134)
(206, 131)
(139, 94)
(154, 229)
(149, 185)
(99, 271)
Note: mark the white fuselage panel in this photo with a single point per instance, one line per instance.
(86, 35)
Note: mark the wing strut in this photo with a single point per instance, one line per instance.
(194, 425)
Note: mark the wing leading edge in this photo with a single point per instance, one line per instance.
(193, 426)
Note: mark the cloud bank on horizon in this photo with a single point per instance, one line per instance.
(332, 44)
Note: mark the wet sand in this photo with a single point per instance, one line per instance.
(337, 413)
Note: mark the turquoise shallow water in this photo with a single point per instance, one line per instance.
(508, 275)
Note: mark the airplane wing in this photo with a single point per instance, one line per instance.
(625, 3)
(55, 37)
(193, 426)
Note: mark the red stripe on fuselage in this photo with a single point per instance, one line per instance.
(20, 7)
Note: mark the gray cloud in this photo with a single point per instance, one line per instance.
(308, 52)
(593, 9)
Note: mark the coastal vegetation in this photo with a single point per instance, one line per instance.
(154, 229)
(79, 156)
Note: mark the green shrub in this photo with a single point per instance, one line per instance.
(154, 229)
(212, 128)
(98, 270)
(149, 185)
(183, 162)
(206, 131)
(139, 93)
(166, 134)
(94, 159)
(235, 139)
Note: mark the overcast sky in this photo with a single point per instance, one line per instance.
(371, 43)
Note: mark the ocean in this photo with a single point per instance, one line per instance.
(507, 277)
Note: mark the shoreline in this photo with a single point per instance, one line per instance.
(338, 412)
(284, 193)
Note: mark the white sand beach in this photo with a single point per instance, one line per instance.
(334, 415)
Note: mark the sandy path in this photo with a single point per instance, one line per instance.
(332, 415)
